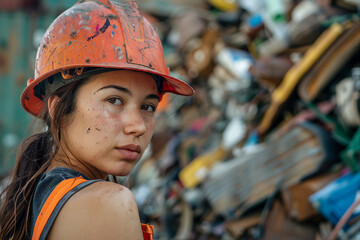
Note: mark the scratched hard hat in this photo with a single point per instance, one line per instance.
(99, 34)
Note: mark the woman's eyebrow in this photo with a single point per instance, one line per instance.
(153, 96)
(125, 90)
(122, 89)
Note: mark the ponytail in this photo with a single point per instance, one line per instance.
(34, 156)
(32, 160)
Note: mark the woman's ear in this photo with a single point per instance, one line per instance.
(52, 102)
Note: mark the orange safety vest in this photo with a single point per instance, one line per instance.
(55, 197)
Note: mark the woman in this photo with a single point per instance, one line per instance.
(99, 76)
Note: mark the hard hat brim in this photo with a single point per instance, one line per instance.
(33, 104)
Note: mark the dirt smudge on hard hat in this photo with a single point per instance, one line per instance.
(73, 34)
(86, 20)
(109, 16)
(103, 4)
(119, 53)
(101, 30)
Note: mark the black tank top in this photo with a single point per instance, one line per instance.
(46, 185)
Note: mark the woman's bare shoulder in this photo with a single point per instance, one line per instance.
(102, 210)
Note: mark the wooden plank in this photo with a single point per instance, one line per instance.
(249, 179)
(237, 227)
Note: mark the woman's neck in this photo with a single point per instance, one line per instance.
(63, 160)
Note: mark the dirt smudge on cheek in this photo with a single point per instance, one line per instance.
(88, 130)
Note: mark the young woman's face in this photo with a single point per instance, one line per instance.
(113, 122)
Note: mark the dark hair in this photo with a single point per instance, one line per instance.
(33, 158)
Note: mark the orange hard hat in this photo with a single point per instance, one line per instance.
(93, 36)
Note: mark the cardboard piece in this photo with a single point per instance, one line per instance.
(296, 198)
(278, 226)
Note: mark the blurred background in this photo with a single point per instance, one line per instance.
(268, 148)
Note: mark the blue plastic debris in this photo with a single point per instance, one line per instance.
(334, 199)
(255, 21)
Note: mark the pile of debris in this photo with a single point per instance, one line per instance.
(268, 148)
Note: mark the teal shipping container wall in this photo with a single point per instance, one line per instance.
(20, 35)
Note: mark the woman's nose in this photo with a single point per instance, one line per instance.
(134, 122)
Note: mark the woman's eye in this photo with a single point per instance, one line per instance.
(114, 101)
(148, 108)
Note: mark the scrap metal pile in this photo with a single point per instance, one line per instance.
(268, 148)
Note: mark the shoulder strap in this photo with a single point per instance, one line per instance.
(53, 204)
(56, 200)
(148, 231)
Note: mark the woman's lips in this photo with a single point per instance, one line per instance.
(131, 151)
